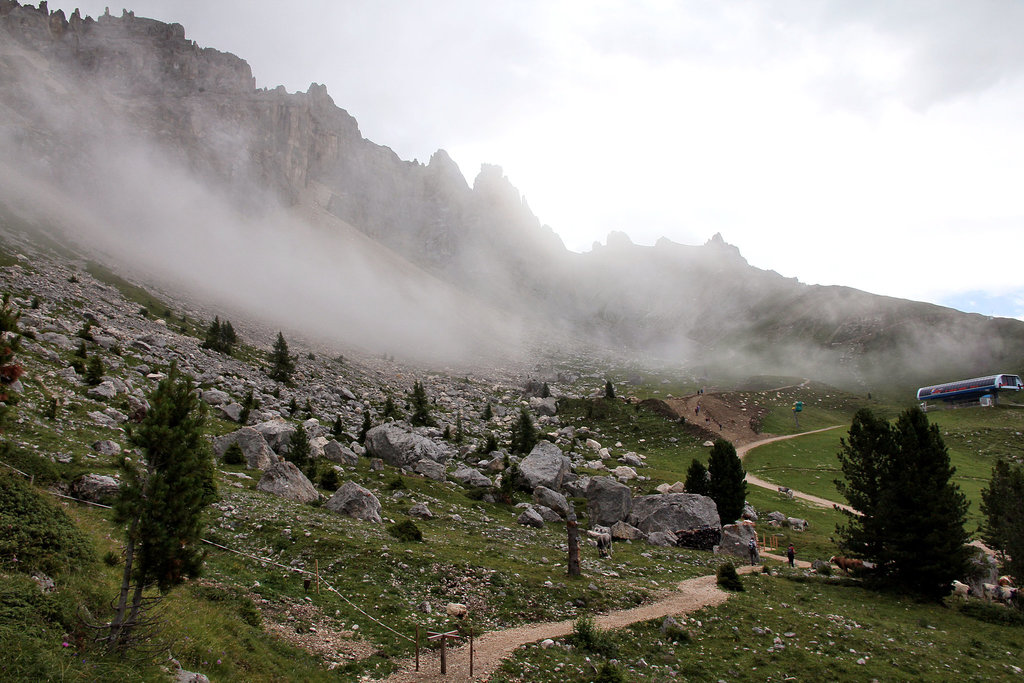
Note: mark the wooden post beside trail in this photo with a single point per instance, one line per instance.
(470, 651)
(443, 637)
(417, 647)
(572, 528)
(316, 567)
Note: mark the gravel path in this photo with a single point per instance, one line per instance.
(492, 648)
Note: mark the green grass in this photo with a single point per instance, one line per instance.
(806, 463)
(830, 630)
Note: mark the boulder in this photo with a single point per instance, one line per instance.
(95, 488)
(355, 501)
(547, 514)
(632, 460)
(531, 517)
(542, 495)
(258, 455)
(104, 390)
(662, 538)
(749, 512)
(285, 480)
(399, 447)
(735, 539)
(431, 470)
(215, 397)
(544, 466)
(701, 538)
(421, 511)
(335, 452)
(624, 473)
(106, 447)
(608, 501)
(621, 531)
(277, 433)
(673, 512)
(467, 476)
(317, 445)
(544, 406)
(797, 524)
(231, 411)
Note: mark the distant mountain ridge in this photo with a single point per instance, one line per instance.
(259, 149)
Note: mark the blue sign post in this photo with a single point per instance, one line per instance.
(797, 408)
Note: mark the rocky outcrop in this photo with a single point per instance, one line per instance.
(673, 512)
(736, 538)
(95, 488)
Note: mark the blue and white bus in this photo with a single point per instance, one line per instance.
(967, 389)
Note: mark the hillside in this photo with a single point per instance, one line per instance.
(176, 166)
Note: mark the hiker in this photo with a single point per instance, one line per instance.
(791, 554)
(752, 548)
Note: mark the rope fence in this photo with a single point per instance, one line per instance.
(266, 560)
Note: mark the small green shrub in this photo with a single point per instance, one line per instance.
(329, 480)
(992, 613)
(610, 673)
(728, 579)
(111, 559)
(406, 531)
(234, 455)
(397, 484)
(587, 637)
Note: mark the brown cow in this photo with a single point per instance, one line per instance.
(847, 563)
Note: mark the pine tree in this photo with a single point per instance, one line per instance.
(10, 340)
(487, 414)
(213, 335)
(913, 527)
(228, 337)
(338, 428)
(365, 427)
(94, 371)
(697, 478)
(545, 392)
(161, 503)
(298, 448)
(524, 434)
(727, 486)
(248, 403)
(1002, 504)
(282, 364)
(420, 407)
(460, 435)
(390, 409)
(609, 389)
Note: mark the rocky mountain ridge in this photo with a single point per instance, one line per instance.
(262, 149)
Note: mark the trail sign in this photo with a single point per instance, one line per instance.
(798, 406)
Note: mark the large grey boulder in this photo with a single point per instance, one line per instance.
(544, 406)
(531, 517)
(467, 476)
(258, 455)
(608, 501)
(399, 447)
(736, 539)
(277, 433)
(95, 488)
(335, 452)
(673, 512)
(626, 532)
(662, 538)
(355, 501)
(545, 466)
(285, 480)
(431, 470)
(542, 495)
(215, 397)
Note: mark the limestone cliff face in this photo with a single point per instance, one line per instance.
(203, 105)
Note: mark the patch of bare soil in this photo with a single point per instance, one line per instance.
(303, 625)
(723, 415)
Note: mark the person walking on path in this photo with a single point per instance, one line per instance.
(791, 554)
(752, 548)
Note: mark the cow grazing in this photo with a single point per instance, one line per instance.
(994, 591)
(786, 491)
(847, 564)
(961, 589)
(603, 541)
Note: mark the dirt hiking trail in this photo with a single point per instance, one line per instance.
(492, 648)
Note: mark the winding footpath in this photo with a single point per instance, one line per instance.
(757, 481)
(492, 648)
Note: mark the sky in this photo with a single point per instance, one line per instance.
(871, 144)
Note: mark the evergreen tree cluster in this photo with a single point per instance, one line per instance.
(220, 336)
(524, 434)
(420, 407)
(911, 521)
(1002, 504)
